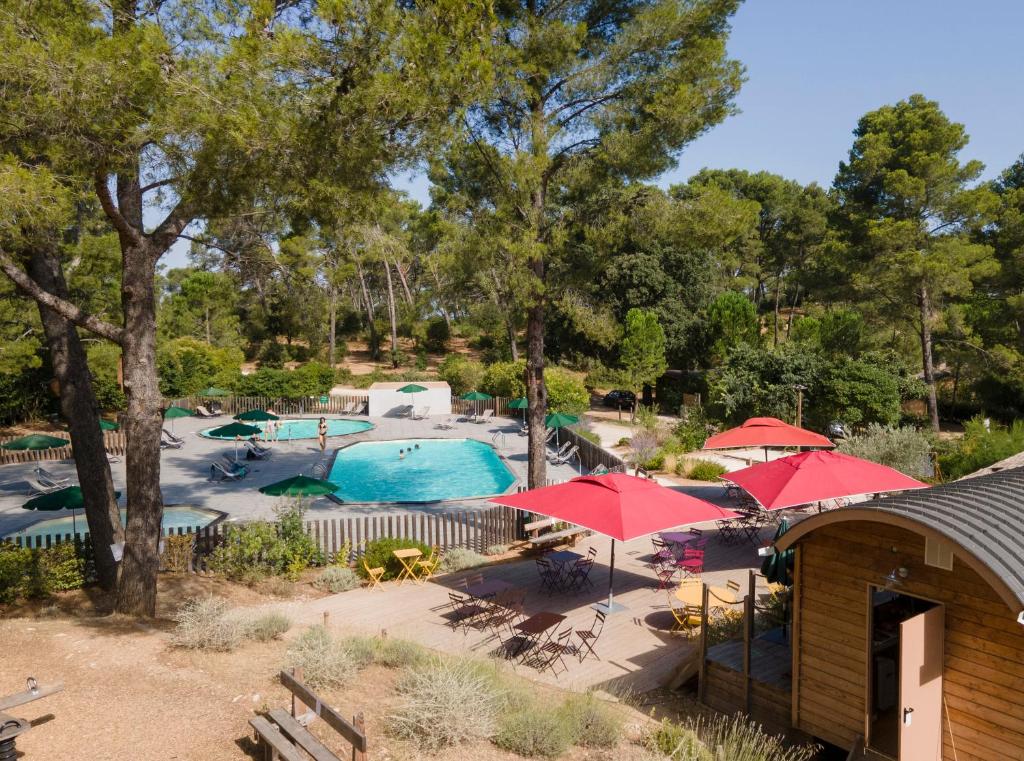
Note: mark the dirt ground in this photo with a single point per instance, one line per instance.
(129, 696)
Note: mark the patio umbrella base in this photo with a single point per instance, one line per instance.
(602, 607)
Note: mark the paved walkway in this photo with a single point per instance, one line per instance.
(637, 649)
(184, 472)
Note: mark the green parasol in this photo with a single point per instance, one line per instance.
(254, 416)
(235, 431)
(299, 486)
(558, 420)
(35, 442)
(214, 391)
(109, 425)
(522, 403)
(412, 388)
(778, 567)
(475, 396)
(68, 498)
(172, 413)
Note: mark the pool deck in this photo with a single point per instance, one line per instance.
(184, 472)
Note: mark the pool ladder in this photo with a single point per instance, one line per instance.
(498, 439)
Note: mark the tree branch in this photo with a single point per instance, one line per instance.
(159, 184)
(169, 230)
(110, 208)
(64, 308)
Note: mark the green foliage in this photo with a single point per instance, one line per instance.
(732, 321)
(692, 430)
(379, 554)
(592, 722)
(534, 731)
(265, 627)
(981, 446)
(461, 373)
(310, 379)
(326, 662)
(566, 392)
(35, 573)
(399, 653)
(255, 550)
(438, 334)
(642, 354)
(735, 739)
(461, 559)
(505, 379)
(701, 470)
(906, 449)
(187, 365)
(337, 579)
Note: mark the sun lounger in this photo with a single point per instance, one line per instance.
(552, 456)
(348, 408)
(169, 441)
(446, 425)
(484, 416)
(219, 473)
(201, 411)
(567, 457)
(256, 452)
(361, 408)
(469, 416)
(36, 487)
(423, 413)
(47, 478)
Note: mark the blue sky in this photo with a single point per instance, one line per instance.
(814, 67)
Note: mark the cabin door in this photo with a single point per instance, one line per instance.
(920, 670)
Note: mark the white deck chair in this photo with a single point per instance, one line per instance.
(348, 408)
(49, 479)
(565, 458)
(219, 473)
(446, 425)
(484, 416)
(201, 411)
(36, 487)
(423, 414)
(552, 456)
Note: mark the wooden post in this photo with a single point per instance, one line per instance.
(298, 707)
(360, 725)
(702, 679)
(748, 632)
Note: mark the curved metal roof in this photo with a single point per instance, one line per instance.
(982, 516)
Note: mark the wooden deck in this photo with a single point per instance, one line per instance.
(637, 650)
(771, 662)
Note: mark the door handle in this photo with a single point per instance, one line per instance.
(907, 716)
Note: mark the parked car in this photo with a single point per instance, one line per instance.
(619, 399)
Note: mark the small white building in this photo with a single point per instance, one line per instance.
(387, 400)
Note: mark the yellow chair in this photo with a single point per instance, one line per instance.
(374, 574)
(428, 565)
(687, 618)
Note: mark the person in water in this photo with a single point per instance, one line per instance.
(417, 446)
(401, 454)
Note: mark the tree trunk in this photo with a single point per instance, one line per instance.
(405, 284)
(536, 391)
(374, 347)
(333, 325)
(136, 592)
(209, 340)
(79, 408)
(510, 329)
(391, 315)
(778, 295)
(792, 311)
(926, 356)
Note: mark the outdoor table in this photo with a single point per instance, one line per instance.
(535, 626)
(408, 560)
(689, 593)
(678, 537)
(563, 556)
(488, 588)
(723, 595)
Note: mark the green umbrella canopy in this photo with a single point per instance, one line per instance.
(778, 568)
(68, 498)
(214, 391)
(36, 441)
(411, 388)
(475, 396)
(108, 425)
(521, 403)
(234, 429)
(560, 420)
(175, 412)
(257, 416)
(299, 486)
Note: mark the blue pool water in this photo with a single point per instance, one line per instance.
(289, 430)
(174, 517)
(371, 471)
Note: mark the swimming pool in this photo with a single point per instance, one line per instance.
(175, 517)
(372, 471)
(305, 428)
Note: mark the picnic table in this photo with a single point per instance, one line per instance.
(534, 627)
(563, 556)
(488, 588)
(408, 558)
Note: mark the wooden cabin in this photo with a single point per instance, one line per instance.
(908, 623)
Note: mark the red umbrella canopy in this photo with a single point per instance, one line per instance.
(766, 432)
(616, 505)
(815, 476)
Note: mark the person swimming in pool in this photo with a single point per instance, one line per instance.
(401, 454)
(417, 446)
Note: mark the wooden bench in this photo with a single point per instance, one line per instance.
(538, 539)
(283, 736)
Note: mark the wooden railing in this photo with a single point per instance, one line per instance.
(113, 443)
(311, 405)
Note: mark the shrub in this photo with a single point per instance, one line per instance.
(678, 742)
(460, 558)
(62, 568)
(337, 579)
(260, 549)
(702, 470)
(590, 436)
(905, 449)
(566, 392)
(496, 549)
(655, 462)
(361, 649)
(399, 653)
(505, 379)
(38, 573)
(460, 373)
(177, 554)
(438, 334)
(379, 554)
(692, 431)
(444, 702)
(982, 446)
(325, 661)
(16, 564)
(534, 730)
(735, 738)
(266, 626)
(591, 721)
(625, 441)
(204, 624)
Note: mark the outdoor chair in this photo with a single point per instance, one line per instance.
(170, 437)
(348, 408)
(36, 487)
(216, 408)
(666, 572)
(464, 611)
(662, 552)
(589, 637)
(687, 618)
(219, 473)
(567, 457)
(49, 479)
(550, 576)
(727, 530)
(524, 430)
(428, 566)
(256, 452)
(374, 575)
(692, 564)
(201, 411)
(446, 425)
(552, 653)
(579, 575)
(549, 434)
(552, 456)
(484, 416)
(422, 414)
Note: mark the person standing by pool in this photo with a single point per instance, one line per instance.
(321, 434)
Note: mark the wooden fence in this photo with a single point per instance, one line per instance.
(233, 405)
(113, 442)
(473, 529)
